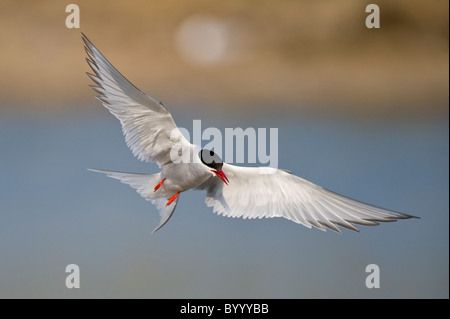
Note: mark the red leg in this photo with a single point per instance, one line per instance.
(172, 198)
(159, 185)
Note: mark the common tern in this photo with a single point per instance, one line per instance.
(234, 191)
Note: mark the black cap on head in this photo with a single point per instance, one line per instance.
(211, 159)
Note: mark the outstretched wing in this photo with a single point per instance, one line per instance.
(265, 192)
(149, 129)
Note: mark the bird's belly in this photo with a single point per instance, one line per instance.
(184, 176)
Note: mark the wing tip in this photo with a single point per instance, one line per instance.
(87, 43)
(407, 216)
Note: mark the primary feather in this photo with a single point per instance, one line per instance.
(149, 129)
(257, 192)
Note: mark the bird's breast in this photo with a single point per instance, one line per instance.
(184, 176)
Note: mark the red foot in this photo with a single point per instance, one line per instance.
(172, 198)
(159, 185)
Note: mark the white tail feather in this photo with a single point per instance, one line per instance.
(145, 184)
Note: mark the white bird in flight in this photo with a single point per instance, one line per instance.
(232, 191)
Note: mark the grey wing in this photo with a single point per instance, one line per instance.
(259, 192)
(149, 129)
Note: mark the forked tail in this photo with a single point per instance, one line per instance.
(145, 184)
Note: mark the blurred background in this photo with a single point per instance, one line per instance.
(363, 112)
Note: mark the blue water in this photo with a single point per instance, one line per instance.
(53, 212)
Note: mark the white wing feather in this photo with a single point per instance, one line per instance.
(146, 123)
(252, 193)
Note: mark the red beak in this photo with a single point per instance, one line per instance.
(222, 176)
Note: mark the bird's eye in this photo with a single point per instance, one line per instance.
(210, 159)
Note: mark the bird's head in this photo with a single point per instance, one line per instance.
(213, 161)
